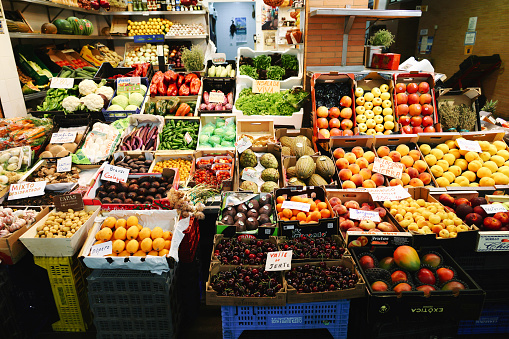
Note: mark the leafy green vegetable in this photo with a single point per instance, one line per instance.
(249, 71)
(290, 62)
(54, 98)
(282, 103)
(275, 73)
(262, 61)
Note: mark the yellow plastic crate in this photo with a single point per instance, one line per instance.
(67, 278)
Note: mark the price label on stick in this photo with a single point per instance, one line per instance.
(101, 250)
(216, 97)
(469, 145)
(64, 164)
(115, 173)
(389, 168)
(364, 215)
(243, 144)
(388, 193)
(62, 83)
(494, 208)
(279, 261)
(293, 205)
(62, 137)
(26, 189)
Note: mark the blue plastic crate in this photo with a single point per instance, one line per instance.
(332, 316)
(111, 116)
(494, 319)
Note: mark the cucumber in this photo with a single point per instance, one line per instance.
(90, 69)
(66, 74)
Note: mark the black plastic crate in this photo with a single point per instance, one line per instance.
(232, 63)
(107, 70)
(123, 325)
(225, 85)
(133, 335)
(127, 281)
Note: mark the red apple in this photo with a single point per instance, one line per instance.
(407, 129)
(425, 99)
(415, 110)
(427, 121)
(346, 124)
(401, 98)
(444, 274)
(334, 112)
(412, 87)
(417, 130)
(427, 109)
(429, 129)
(416, 121)
(345, 101)
(492, 224)
(413, 98)
(400, 88)
(503, 217)
(423, 87)
(402, 110)
(404, 120)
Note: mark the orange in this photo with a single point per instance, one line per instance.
(280, 215)
(325, 213)
(293, 218)
(301, 216)
(295, 212)
(313, 222)
(163, 252)
(279, 207)
(321, 205)
(317, 201)
(315, 216)
(280, 200)
(313, 205)
(285, 219)
(287, 213)
(296, 198)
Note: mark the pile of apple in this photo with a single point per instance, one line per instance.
(373, 110)
(414, 107)
(328, 120)
(454, 167)
(473, 214)
(356, 168)
(416, 171)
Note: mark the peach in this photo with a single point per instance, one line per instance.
(358, 151)
(370, 167)
(362, 162)
(484, 172)
(345, 225)
(357, 179)
(352, 204)
(349, 184)
(378, 179)
(420, 165)
(415, 154)
(338, 153)
(395, 156)
(456, 153)
(342, 163)
(388, 158)
(425, 149)
(486, 181)
(425, 178)
(387, 227)
(367, 225)
(403, 150)
(350, 157)
(345, 174)
(444, 164)
(354, 168)
(456, 170)
(450, 158)
(383, 151)
(430, 159)
(407, 160)
(416, 182)
(405, 178)
(412, 172)
(461, 163)
(340, 209)
(369, 184)
(369, 156)
(366, 173)
(396, 182)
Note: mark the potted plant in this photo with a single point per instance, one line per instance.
(382, 39)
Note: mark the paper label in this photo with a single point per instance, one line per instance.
(388, 168)
(159, 50)
(68, 201)
(127, 85)
(469, 145)
(229, 121)
(250, 175)
(188, 138)
(62, 83)
(62, 137)
(494, 208)
(279, 261)
(266, 86)
(388, 193)
(364, 215)
(64, 164)
(218, 58)
(115, 173)
(26, 189)
(216, 97)
(496, 241)
(243, 144)
(293, 205)
(101, 250)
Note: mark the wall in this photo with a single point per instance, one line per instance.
(448, 46)
(225, 13)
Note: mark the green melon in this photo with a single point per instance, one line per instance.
(63, 26)
(89, 28)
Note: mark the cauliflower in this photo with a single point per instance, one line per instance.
(87, 87)
(106, 91)
(94, 102)
(71, 103)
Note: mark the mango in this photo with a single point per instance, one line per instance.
(406, 257)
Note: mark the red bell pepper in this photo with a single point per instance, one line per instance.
(161, 88)
(156, 79)
(172, 90)
(180, 80)
(184, 90)
(144, 69)
(137, 70)
(190, 77)
(170, 77)
(194, 87)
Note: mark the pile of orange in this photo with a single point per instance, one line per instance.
(317, 210)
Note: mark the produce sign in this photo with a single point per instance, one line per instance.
(243, 144)
(494, 208)
(388, 193)
(128, 85)
(216, 97)
(266, 86)
(364, 215)
(469, 145)
(26, 189)
(63, 137)
(115, 173)
(62, 83)
(279, 261)
(293, 205)
(100, 250)
(68, 201)
(389, 168)
(64, 164)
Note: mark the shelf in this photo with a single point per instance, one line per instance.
(35, 95)
(55, 5)
(17, 35)
(148, 13)
(365, 13)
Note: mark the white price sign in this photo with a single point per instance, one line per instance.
(389, 168)
(64, 164)
(250, 175)
(62, 137)
(26, 189)
(216, 97)
(388, 193)
(229, 121)
(115, 173)
(469, 145)
(188, 138)
(61, 83)
(293, 205)
(243, 144)
(494, 208)
(279, 261)
(364, 215)
(101, 250)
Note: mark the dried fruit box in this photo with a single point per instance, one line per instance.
(256, 129)
(441, 305)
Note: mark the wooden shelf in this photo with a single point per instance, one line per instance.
(365, 13)
(17, 35)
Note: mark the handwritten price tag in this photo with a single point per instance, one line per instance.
(61, 83)
(293, 205)
(114, 173)
(243, 144)
(252, 175)
(469, 145)
(101, 250)
(389, 168)
(26, 189)
(126, 85)
(64, 164)
(494, 208)
(364, 215)
(388, 193)
(62, 137)
(188, 138)
(216, 97)
(266, 86)
(279, 261)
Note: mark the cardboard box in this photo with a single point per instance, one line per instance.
(332, 77)
(388, 61)
(292, 133)
(467, 96)
(11, 248)
(413, 305)
(227, 185)
(213, 299)
(256, 129)
(292, 161)
(273, 149)
(75, 58)
(359, 291)
(492, 241)
(160, 156)
(246, 239)
(119, 24)
(325, 227)
(58, 247)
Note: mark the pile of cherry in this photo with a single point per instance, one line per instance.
(247, 282)
(310, 278)
(305, 247)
